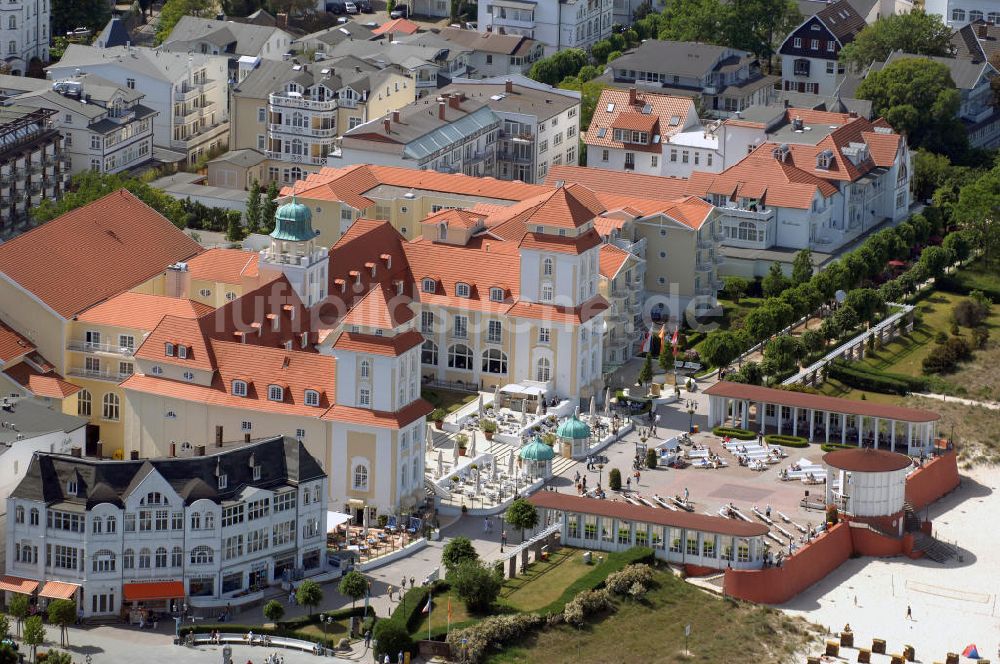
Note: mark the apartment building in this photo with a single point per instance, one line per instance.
(558, 25)
(428, 61)
(494, 54)
(188, 91)
(453, 134)
(106, 126)
(227, 38)
(725, 80)
(810, 54)
(540, 124)
(294, 113)
(630, 128)
(206, 530)
(322, 41)
(33, 164)
(959, 13)
(24, 33)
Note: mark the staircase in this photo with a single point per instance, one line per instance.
(933, 548)
(911, 522)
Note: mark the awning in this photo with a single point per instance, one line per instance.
(58, 590)
(16, 584)
(517, 388)
(334, 519)
(138, 592)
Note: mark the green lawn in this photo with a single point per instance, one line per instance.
(450, 400)
(544, 582)
(335, 630)
(652, 630)
(439, 614)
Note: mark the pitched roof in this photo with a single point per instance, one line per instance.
(843, 20)
(228, 266)
(12, 344)
(141, 311)
(626, 184)
(489, 42)
(670, 113)
(559, 314)
(483, 263)
(400, 26)
(569, 206)
(368, 417)
(371, 344)
(157, 63)
(377, 310)
(41, 383)
(612, 260)
(228, 36)
(94, 252)
(681, 58)
(114, 34)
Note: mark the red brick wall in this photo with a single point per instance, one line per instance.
(811, 563)
(869, 543)
(936, 478)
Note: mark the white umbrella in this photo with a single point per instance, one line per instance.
(456, 454)
(440, 464)
(430, 437)
(472, 444)
(510, 463)
(524, 411)
(496, 400)
(493, 469)
(481, 407)
(593, 409)
(364, 521)
(540, 410)
(607, 401)
(477, 481)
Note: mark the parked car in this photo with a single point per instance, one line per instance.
(351, 7)
(401, 11)
(336, 7)
(365, 6)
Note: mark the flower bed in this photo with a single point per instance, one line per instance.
(734, 432)
(290, 628)
(786, 441)
(830, 447)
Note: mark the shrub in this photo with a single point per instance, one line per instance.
(598, 575)
(488, 426)
(941, 337)
(475, 584)
(391, 638)
(980, 336)
(853, 376)
(970, 313)
(651, 459)
(786, 441)
(615, 479)
(438, 415)
(471, 644)
(945, 357)
(457, 551)
(830, 447)
(620, 582)
(734, 432)
(586, 604)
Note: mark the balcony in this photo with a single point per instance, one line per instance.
(476, 157)
(705, 241)
(189, 92)
(344, 102)
(755, 215)
(322, 132)
(83, 346)
(718, 258)
(514, 22)
(504, 155)
(111, 376)
(297, 158)
(704, 266)
(520, 136)
(200, 137)
(284, 100)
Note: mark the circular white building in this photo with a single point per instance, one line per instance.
(866, 482)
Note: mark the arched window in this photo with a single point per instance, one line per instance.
(429, 353)
(104, 561)
(110, 407)
(239, 388)
(201, 555)
(128, 559)
(18, 514)
(209, 521)
(33, 517)
(496, 294)
(177, 557)
(462, 290)
(958, 14)
(298, 120)
(428, 285)
(275, 393)
(494, 361)
(296, 146)
(161, 556)
(747, 231)
(547, 267)
(312, 398)
(460, 357)
(360, 478)
(296, 173)
(154, 498)
(83, 401)
(144, 558)
(366, 369)
(404, 475)
(443, 232)
(543, 371)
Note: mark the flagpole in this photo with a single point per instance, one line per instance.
(430, 608)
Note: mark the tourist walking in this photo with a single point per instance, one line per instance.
(909, 612)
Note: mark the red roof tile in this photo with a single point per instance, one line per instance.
(94, 252)
(400, 26)
(560, 244)
(635, 121)
(612, 260)
(626, 184)
(374, 345)
(228, 266)
(141, 311)
(12, 344)
(377, 309)
(377, 418)
(48, 384)
(663, 107)
(557, 313)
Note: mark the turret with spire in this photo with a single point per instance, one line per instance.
(294, 253)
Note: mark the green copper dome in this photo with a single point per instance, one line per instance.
(536, 450)
(293, 223)
(574, 429)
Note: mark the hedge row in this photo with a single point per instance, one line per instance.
(289, 629)
(830, 447)
(340, 614)
(913, 383)
(786, 441)
(734, 432)
(853, 377)
(409, 612)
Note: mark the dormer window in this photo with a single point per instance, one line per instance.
(462, 290)
(443, 232)
(71, 487)
(312, 398)
(275, 393)
(427, 286)
(182, 352)
(223, 481)
(823, 159)
(168, 349)
(239, 388)
(496, 294)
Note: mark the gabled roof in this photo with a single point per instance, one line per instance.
(483, 263)
(140, 311)
(377, 310)
(229, 37)
(12, 344)
(94, 252)
(44, 383)
(569, 206)
(612, 260)
(670, 115)
(843, 20)
(228, 266)
(114, 34)
(156, 63)
(489, 42)
(655, 187)
(399, 26)
(965, 72)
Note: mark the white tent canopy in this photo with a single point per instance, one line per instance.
(334, 519)
(517, 388)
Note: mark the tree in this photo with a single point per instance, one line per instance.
(269, 208)
(775, 282)
(696, 20)
(390, 639)
(846, 318)
(457, 551)
(720, 348)
(759, 25)
(18, 607)
(4, 626)
(735, 288)
(957, 245)
(970, 313)
(62, 612)
(274, 611)
(309, 594)
(615, 479)
(917, 97)
(234, 226)
(174, 10)
(254, 208)
(34, 634)
(68, 15)
(913, 33)
(522, 514)
(866, 302)
(935, 259)
(58, 657)
(590, 93)
(813, 341)
(353, 585)
(929, 171)
(646, 372)
(475, 584)
(977, 212)
(666, 356)
(554, 68)
(7, 654)
(802, 268)
(90, 185)
(651, 459)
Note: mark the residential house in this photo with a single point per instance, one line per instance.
(123, 538)
(430, 65)
(115, 33)
(293, 113)
(105, 125)
(322, 41)
(238, 169)
(869, 10)
(541, 124)
(629, 129)
(959, 13)
(228, 38)
(494, 54)
(453, 134)
(723, 79)
(188, 91)
(559, 25)
(394, 28)
(24, 34)
(33, 164)
(810, 54)
(32, 426)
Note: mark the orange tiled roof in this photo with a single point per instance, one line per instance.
(663, 107)
(93, 252)
(141, 311)
(458, 218)
(482, 264)
(48, 384)
(559, 314)
(399, 419)
(811, 116)
(12, 344)
(738, 122)
(350, 279)
(179, 331)
(635, 121)
(612, 260)
(600, 181)
(569, 206)
(396, 26)
(377, 309)
(564, 245)
(375, 345)
(226, 266)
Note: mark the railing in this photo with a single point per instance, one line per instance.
(192, 91)
(344, 102)
(705, 242)
(276, 99)
(505, 155)
(704, 266)
(513, 22)
(90, 347)
(112, 376)
(316, 132)
(297, 158)
(756, 215)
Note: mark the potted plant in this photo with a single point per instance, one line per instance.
(438, 415)
(489, 428)
(462, 440)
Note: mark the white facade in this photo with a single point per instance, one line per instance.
(689, 151)
(558, 25)
(867, 494)
(24, 33)
(956, 13)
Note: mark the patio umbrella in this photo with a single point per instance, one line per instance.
(493, 469)
(971, 652)
(510, 463)
(429, 436)
(477, 481)
(607, 401)
(541, 407)
(364, 521)
(593, 409)
(481, 407)
(456, 454)
(472, 444)
(496, 400)
(440, 464)
(524, 411)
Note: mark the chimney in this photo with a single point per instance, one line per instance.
(199, 450)
(395, 116)
(631, 97)
(455, 101)
(385, 125)
(75, 452)
(441, 107)
(982, 31)
(281, 20)
(852, 114)
(508, 86)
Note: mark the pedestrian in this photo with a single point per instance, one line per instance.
(399, 657)
(503, 538)
(291, 595)
(486, 525)
(390, 593)
(686, 494)
(767, 512)
(628, 483)
(855, 600)
(412, 582)
(368, 638)
(909, 612)
(386, 660)
(402, 583)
